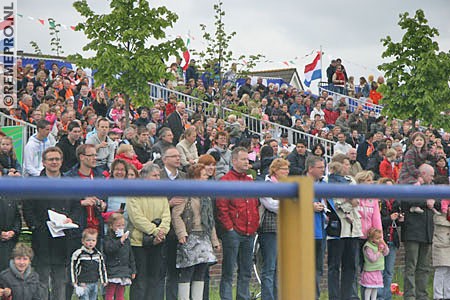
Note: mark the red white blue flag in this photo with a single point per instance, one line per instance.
(313, 70)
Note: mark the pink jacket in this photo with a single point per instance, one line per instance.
(369, 210)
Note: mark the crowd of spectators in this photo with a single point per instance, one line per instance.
(82, 132)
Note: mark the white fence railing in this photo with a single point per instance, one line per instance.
(28, 128)
(254, 124)
(352, 102)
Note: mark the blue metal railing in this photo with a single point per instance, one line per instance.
(45, 188)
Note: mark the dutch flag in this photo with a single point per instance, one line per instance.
(313, 70)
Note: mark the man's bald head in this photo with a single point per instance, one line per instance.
(426, 173)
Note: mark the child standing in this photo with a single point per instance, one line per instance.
(119, 258)
(375, 249)
(19, 280)
(87, 267)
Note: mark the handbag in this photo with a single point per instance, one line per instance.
(334, 226)
(148, 239)
(188, 216)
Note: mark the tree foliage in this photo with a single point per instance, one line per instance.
(36, 48)
(418, 74)
(55, 41)
(124, 41)
(217, 52)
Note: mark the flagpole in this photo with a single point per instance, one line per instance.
(321, 66)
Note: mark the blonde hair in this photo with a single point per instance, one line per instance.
(335, 167)
(124, 148)
(22, 250)
(114, 218)
(391, 153)
(277, 164)
(363, 176)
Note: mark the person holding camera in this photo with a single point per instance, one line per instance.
(87, 212)
(149, 224)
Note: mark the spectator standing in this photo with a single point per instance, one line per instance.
(191, 71)
(374, 251)
(441, 247)
(390, 218)
(10, 225)
(87, 267)
(52, 254)
(19, 279)
(175, 122)
(315, 168)
(120, 264)
(279, 169)
(171, 159)
(240, 220)
(148, 216)
(193, 222)
(417, 235)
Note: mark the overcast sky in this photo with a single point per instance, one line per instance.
(280, 30)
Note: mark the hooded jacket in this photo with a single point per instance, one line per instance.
(23, 287)
(32, 154)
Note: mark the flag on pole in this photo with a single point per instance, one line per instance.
(313, 70)
(187, 54)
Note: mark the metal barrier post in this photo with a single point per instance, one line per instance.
(296, 262)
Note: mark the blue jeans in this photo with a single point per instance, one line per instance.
(342, 255)
(237, 249)
(90, 292)
(320, 250)
(389, 262)
(268, 242)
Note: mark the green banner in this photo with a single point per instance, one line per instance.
(16, 133)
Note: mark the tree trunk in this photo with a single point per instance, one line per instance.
(127, 111)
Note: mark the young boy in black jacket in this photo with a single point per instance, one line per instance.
(88, 267)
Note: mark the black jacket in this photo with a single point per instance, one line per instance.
(119, 258)
(389, 227)
(175, 123)
(297, 166)
(418, 227)
(47, 250)
(9, 220)
(69, 153)
(143, 152)
(26, 288)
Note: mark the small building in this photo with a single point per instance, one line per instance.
(288, 75)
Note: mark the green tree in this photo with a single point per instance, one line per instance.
(217, 57)
(417, 74)
(124, 41)
(55, 41)
(36, 48)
